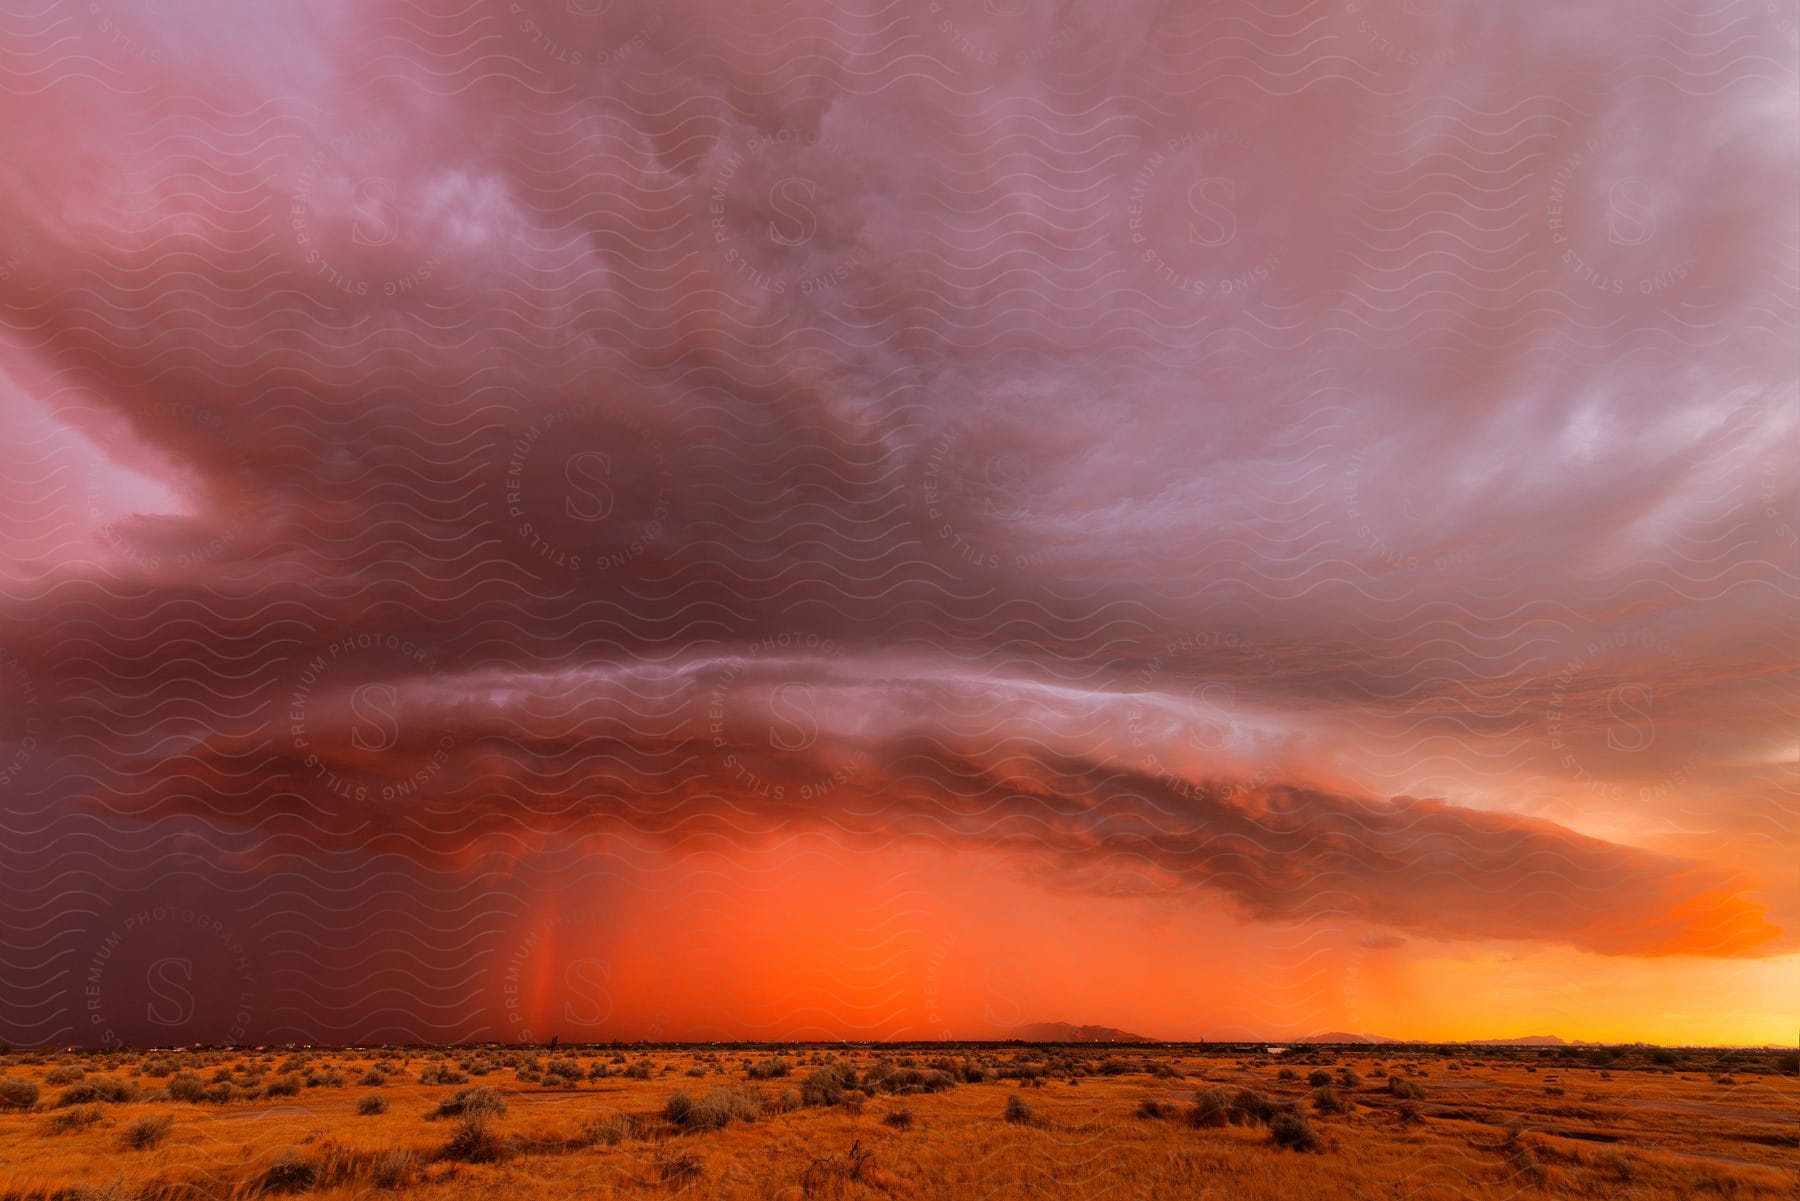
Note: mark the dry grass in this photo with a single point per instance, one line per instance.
(987, 1122)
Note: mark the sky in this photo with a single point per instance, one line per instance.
(898, 520)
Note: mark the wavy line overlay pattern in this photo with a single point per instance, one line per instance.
(901, 519)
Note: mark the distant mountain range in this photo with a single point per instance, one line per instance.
(1525, 1040)
(1063, 1032)
(1066, 1032)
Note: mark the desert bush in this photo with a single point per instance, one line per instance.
(1217, 1107)
(1293, 1132)
(714, 1111)
(611, 1131)
(1212, 1107)
(321, 1079)
(566, 1068)
(827, 1085)
(282, 1086)
(677, 1107)
(17, 1094)
(475, 1141)
(147, 1132)
(289, 1174)
(480, 1101)
(78, 1118)
(1405, 1089)
(899, 1119)
(104, 1089)
(1318, 1078)
(67, 1074)
(371, 1105)
(1329, 1100)
(769, 1069)
(186, 1086)
(437, 1073)
(1151, 1108)
(373, 1079)
(1349, 1079)
(1256, 1108)
(1018, 1112)
(1287, 1074)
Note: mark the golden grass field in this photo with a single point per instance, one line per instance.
(918, 1122)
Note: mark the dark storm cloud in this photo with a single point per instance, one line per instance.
(1135, 450)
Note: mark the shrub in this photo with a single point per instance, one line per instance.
(1287, 1074)
(437, 1073)
(282, 1086)
(715, 1111)
(1405, 1089)
(566, 1069)
(147, 1132)
(17, 1094)
(185, 1086)
(67, 1074)
(289, 1174)
(677, 1108)
(769, 1069)
(611, 1131)
(1329, 1100)
(481, 1101)
(826, 1086)
(1217, 1107)
(899, 1119)
(371, 1105)
(1151, 1108)
(1318, 1078)
(1212, 1107)
(78, 1118)
(104, 1089)
(1293, 1132)
(1018, 1112)
(373, 1079)
(475, 1141)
